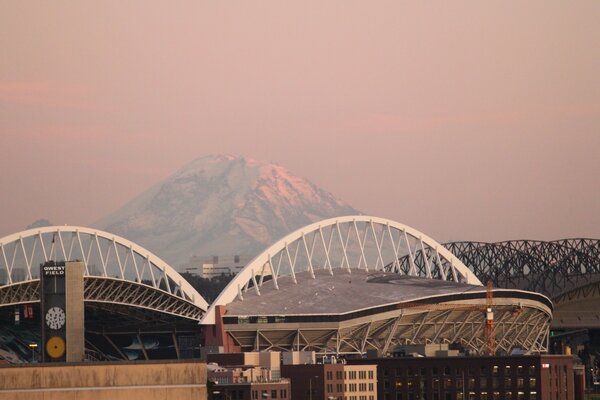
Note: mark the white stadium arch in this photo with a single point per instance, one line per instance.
(346, 243)
(116, 270)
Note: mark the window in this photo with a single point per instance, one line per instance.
(520, 370)
(371, 374)
(532, 383)
(273, 394)
(532, 370)
(283, 393)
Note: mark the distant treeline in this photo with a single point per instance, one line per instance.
(208, 288)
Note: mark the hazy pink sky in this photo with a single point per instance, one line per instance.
(467, 120)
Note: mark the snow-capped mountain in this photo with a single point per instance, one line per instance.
(221, 205)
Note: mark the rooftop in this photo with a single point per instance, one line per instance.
(341, 293)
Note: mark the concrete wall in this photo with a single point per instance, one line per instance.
(74, 307)
(114, 381)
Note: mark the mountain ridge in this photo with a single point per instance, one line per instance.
(221, 205)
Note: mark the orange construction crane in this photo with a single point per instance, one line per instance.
(490, 333)
(487, 308)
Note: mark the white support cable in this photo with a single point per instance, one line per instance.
(273, 272)
(114, 243)
(41, 238)
(71, 244)
(33, 250)
(379, 247)
(378, 258)
(296, 254)
(361, 244)
(425, 258)
(165, 276)
(107, 256)
(287, 252)
(441, 267)
(27, 261)
(411, 259)
(308, 255)
(151, 270)
(328, 261)
(312, 246)
(97, 241)
(126, 261)
(396, 249)
(262, 275)
(85, 259)
(62, 244)
(135, 266)
(344, 254)
(347, 240)
(255, 283)
(279, 263)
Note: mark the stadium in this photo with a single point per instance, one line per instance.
(339, 287)
(136, 306)
(342, 286)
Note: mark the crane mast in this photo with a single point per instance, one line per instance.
(490, 334)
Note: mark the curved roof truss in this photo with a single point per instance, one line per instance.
(351, 242)
(104, 255)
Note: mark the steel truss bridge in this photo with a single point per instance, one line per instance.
(270, 303)
(567, 271)
(552, 268)
(117, 271)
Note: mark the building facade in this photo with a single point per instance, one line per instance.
(540, 377)
(214, 266)
(332, 381)
(165, 380)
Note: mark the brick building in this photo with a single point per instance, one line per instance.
(332, 381)
(539, 377)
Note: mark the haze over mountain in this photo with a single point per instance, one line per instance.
(221, 205)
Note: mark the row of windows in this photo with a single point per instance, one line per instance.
(495, 370)
(261, 394)
(350, 375)
(462, 396)
(370, 397)
(470, 383)
(352, 387)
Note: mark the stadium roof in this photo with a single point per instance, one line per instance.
(347, 292)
